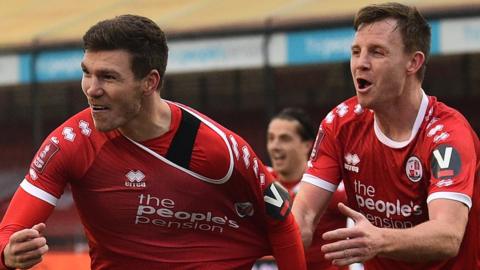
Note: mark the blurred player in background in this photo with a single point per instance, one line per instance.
(410, 164)
(157, 184)
(290, 138)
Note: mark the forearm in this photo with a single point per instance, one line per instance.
(438, 238)
(286, 245)
(23, 212)
(429, 241)
(309, 205)
(305, 220)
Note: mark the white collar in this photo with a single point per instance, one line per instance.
(416, 126)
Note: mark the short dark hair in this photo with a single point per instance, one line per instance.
(305, 129)
(414, 29)
(138, 35)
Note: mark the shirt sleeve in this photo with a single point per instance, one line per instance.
(453, 162)
(283, 232)
(287, 244)
(64, 156)
(46, 178)
(58, 159)
(275, 203)
(23, 212)
(323, 169)
(339, 196)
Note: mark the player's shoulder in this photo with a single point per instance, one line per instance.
(212, 154)
(448, 137)
(79, 132)
(221, 153)
(439, 111)
(346, 114)
(210, 133)
(445, 124)
(69, 143)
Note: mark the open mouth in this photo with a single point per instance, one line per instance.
(278, 157)
(98, 108)
(363, 84)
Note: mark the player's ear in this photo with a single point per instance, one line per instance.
(416, 61)
(151, 82)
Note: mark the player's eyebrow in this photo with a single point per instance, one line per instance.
(102, 71)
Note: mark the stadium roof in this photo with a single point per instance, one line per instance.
(57, 21)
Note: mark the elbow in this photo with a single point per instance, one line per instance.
(307, 236)
(305, 233)
(452, 246)
(448, 253)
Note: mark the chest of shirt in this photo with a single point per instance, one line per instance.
(131, 187)
(388, 185)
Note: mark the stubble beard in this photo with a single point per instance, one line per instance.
(112, 122)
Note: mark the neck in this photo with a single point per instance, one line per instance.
(397, 118)
(153, 120)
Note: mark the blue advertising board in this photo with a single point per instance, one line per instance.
(52, 66)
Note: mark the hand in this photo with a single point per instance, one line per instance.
(25, 248)
(352, 245)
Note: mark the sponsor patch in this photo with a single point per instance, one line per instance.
(445, 162)
(33, 174)
(414, 169)
(316, 146)
(43, 156)
(277, 201)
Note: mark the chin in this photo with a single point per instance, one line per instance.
(364, 102)
(102, 127)
(277, 169)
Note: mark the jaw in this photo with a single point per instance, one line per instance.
(366, 101)
(104, 124)
(279, 165)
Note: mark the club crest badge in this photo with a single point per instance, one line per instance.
(413, 169)
(244, 209)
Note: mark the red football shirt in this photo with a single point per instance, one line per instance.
(392, 182)
(332, 219)
(141, 211)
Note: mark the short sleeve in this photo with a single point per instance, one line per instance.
(323, 167)
(452, 162)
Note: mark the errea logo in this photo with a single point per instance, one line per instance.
(135, 178)
(351, 161)
(84, 126)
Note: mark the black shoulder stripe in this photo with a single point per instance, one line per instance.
(180, 150)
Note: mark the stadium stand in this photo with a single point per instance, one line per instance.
(27, 21)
